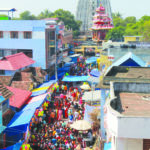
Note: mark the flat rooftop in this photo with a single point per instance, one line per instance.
(132, 104)
(128, 74)
(142, 73)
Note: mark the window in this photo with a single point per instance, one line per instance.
(52, 35)
(1, 34)
(14, 35)
(27, 35)
(2, 72)
(52, 51)
(1, 53)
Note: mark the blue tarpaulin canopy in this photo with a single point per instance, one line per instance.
(21, 119)
(95, 73)
(75, 78)
(47, 83)
(64, 69)
(107, 146)
(14, 147)
(38, 93)
(68, 64)
(91, 60)
(34, 105)
(59, 75)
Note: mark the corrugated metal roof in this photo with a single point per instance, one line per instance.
(22, 25)
(15, 62)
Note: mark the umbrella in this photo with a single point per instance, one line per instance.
(85, 87)
(81, 125)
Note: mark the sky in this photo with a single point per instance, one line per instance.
(136, 8)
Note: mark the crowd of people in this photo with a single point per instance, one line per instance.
(52, 130)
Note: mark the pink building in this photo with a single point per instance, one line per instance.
(101, 24)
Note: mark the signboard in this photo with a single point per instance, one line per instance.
(111, 58)
(50, 26)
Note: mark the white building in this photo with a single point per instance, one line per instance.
(127, 118)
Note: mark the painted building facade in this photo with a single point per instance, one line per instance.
(38, 39)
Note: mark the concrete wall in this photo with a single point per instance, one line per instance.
(134, 127)
(128, 144)
(132, 87)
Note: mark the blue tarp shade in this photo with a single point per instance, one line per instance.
(21, 120)
(33, 105)
(71, 52)
(75, 78)
(59, 75)
(68, 64)
(107, 146)
(14, 147)
(46, 84)
(95, 73)
(63, 69)
(38, 93)
(91, 60)
(74, 59)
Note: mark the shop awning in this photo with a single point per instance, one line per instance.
(21, 119)
(39, 92)
(107, 146)
(68, 64)
(63, 69)
(47, 84)
(92, 96)
(35, 102)
(75, 78)
(37, 98)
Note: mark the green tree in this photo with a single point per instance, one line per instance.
(68, 20)
(130, 19)
(146, 31)
(116, 34)
(45, 14)
(26, 15)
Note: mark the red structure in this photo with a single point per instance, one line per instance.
(101, 24)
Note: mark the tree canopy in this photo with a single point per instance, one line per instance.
(129, 26)
(62, 15)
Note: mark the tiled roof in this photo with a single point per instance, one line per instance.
(5, 92)
(15, 62)
(19, 97)
(23, 85)
(5, 80)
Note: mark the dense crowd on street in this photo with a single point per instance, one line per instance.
(51, 130)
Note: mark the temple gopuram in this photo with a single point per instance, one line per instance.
(101, 24)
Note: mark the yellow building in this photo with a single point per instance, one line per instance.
(82, 49)
(128, 39)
